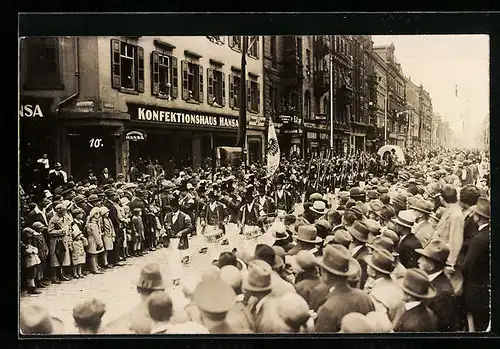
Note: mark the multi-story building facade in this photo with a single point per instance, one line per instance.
(426, 114)
(396, 108)
(108, 101)
(413, 106)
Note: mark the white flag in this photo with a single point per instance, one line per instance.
(273, 151)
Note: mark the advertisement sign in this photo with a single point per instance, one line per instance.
(158, 115)
(135, 136)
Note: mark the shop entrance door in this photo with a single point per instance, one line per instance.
(92, 153)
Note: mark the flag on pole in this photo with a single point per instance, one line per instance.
(273, 150)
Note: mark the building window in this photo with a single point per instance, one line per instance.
(192, 82)
(235, 42)
(273, 96)
(253, 46)
(234, 91)
(307, 105)
(164, 72)
(325, 105)
(253, 96)
(127, 66)
(216, 87)
(42, 68)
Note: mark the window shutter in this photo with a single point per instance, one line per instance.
(223, 99)
(115, 64)
(174, 91)
(200, 94)
(230, 41)
(256, 47)
(210, 86)
(249, 95)
(185, 91)
(140, 69)
(155, 73)
(231, 89)
(258, 96)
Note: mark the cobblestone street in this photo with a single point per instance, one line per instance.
(116, 288)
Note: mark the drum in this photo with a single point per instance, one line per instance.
(251, 232)
(212, 234)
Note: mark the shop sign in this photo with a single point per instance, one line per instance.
(152, 114)
(289, 119)
(30, 111)
(313, 144)
(34, 108)
(294, 131)
(312, 135)
(135, 136)
(324, 136)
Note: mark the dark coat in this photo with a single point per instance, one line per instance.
(307, 281)
(36, 217)
(318, 296)
(359, 256)
(443, 305)
(406, 249)
(418, 319)
(340, 302)
(180, 228)
(476, 270)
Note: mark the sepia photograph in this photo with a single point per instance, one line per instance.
(254, 184)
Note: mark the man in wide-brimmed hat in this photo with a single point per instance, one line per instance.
(361, 235)
(433, 260)
(138, 319)
(308, 277)
(422, 228)
(282, 237)
(36, 320)
(386, 295)
(476, 266)
(337, 265)
(408, 242)
(307, 239)
(268, 254)
(257, 286)
(413, 315)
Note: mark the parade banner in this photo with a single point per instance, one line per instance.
(273, 151)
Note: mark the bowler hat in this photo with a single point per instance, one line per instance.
(205, 300)
(383, 242)
(338, 260)
(78, 199)
(437, 250)
(372, 194)
(417, 284)
(391, 234)
(359, 231)
(319, 207)
(35, 319)
(482, 207)
(382, 190)
(422, 205)
(356, 192)
(150, 278)
(342, 237)
(315, 197)
(386, 213)
(405, 218)
(37, 225)
(381, 260)
(308, 233)
(400, 200)
(93, 198)
(258, 277)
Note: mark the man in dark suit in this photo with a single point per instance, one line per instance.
(115, 256)
(39, 214)
(337, 265)
(282, 198)
(360, 233)
(408, 242)
(105, 176)
(57, 177)
(433, 261)
(413, 315)
(476, 269)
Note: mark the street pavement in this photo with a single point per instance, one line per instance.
(117, 286)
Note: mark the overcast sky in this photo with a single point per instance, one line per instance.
(440, 62)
